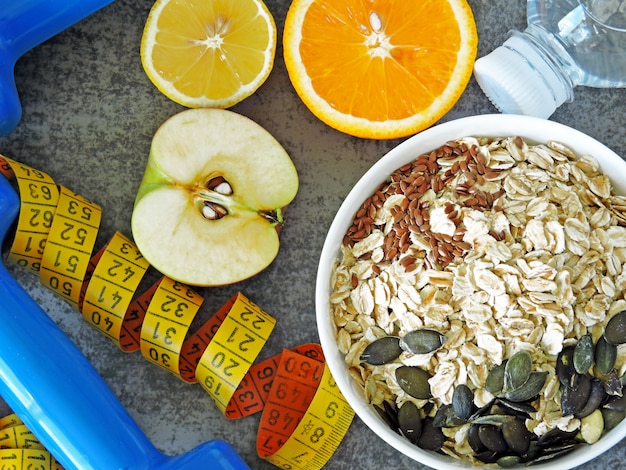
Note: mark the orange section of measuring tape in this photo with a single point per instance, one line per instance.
(20, 449)
(304, 417)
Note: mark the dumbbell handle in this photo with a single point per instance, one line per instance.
(25, 24)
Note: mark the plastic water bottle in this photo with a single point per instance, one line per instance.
(567, 43)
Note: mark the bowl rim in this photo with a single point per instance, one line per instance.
(493, 125)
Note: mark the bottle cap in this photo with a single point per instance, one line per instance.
(518, 79)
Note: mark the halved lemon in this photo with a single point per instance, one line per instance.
(379, 68)
(208, 53)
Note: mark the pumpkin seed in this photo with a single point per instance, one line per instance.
(432, 438)
(422, 341)
(596, 397)
(410, 421)
(519, 409)
(615, 330)
(592, 427)
(583, 354)
(389, 414)
(463, 402)
(446, 418)
(488, 456)
(556, 436)
(493, 420)
(508, 461)
(612, 384)
(534, 451)
(530, 389)
(495, 380)
(474, 440)
(517, 436)
(605, 355)
(483, 410)
(392, 410)
(612, 417)
(517, 370)
(616, 403)
(382, 351)
(414, 381)
(386, 418)
(565, 366)
(574, 399)
(500, 409)
(491, 437)
(550, 454)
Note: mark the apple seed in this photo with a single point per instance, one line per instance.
(220, 185)
(212, 211)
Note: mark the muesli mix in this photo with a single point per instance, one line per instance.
(479, 300)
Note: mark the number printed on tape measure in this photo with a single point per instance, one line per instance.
(39, 196)
(233, 349)
(28, 459)
(319, 432)
(167, 322)
(112, 286)
(69, 246)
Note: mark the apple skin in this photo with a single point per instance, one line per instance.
(169, 221)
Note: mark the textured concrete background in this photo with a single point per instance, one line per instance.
(89, 116)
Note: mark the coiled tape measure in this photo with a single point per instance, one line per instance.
(304, 417)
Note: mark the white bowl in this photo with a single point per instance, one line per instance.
(533, 129)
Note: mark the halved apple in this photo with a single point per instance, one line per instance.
(209, 207)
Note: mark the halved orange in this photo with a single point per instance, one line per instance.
(208, 53)
(379, 68)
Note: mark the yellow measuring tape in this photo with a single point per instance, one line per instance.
(20, 449)
(55, 237)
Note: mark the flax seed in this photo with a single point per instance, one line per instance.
(407, 260)
(482, 200)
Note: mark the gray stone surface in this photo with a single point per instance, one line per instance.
(89, 116)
